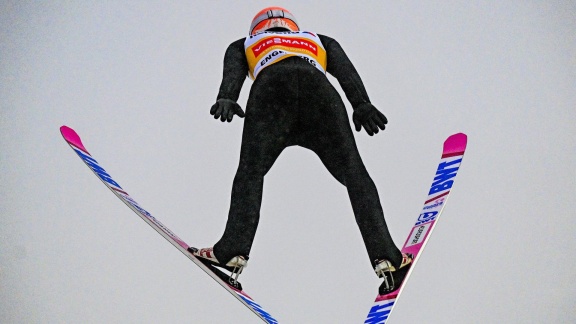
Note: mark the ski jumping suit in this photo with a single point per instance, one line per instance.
(292, 102)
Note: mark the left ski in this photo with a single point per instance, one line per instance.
(452, 154)
(219, 276)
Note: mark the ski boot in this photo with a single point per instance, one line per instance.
(392, 277)
(235, 265)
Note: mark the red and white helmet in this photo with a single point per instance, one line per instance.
(273, 17)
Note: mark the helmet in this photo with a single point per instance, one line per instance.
(273, 17)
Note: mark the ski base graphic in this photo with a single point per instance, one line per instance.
(73, 139)
(454, 148)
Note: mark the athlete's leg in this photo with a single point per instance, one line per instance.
(330, 136)
(266, 128)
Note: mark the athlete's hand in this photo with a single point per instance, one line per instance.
(369, 117)
(225, 109)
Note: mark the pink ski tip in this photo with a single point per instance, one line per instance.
(72, 137)
(455, 145)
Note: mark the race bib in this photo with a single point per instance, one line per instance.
(267, 48)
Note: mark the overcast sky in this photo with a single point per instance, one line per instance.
(137, 79)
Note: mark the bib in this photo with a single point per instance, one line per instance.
(267, 48)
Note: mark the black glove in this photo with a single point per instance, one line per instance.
(370, 117)
(225, 110)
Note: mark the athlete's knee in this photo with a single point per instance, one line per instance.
(249, 173)
(358, 177)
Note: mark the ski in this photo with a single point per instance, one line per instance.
(232, 286)
(454, 148)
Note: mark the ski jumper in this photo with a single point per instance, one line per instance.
(292, 102)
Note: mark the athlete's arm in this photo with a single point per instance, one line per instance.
(233, 76)
(339, 65)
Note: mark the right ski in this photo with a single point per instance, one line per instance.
(454, 148)
(219, 276)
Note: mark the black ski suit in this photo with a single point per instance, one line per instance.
(293, 103)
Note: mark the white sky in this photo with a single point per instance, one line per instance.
(137, 79)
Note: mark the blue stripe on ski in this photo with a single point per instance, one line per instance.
(75, 143)
(452, 155)
(379, 313)
(258, 309)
